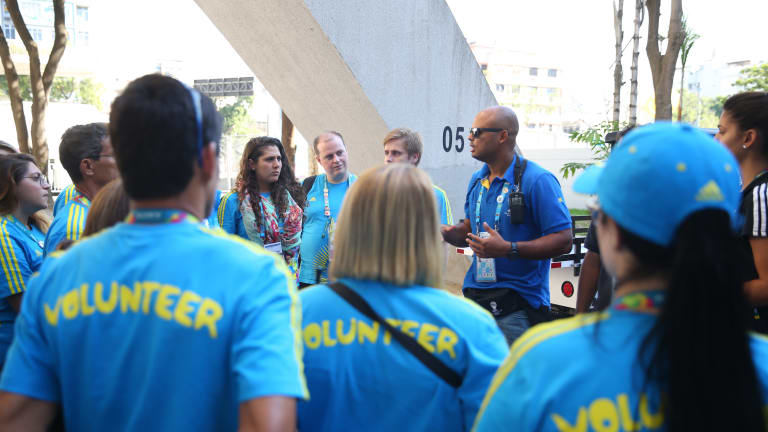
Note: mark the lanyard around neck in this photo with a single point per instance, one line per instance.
(159, 216)
(499, 201)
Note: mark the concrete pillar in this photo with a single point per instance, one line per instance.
(364, 67)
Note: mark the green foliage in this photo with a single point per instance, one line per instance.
(62, 89)
(753, 78)
(594, 136)
(705, 110)
(89, 92)
(234, 111)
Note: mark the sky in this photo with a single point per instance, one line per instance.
(578, 35)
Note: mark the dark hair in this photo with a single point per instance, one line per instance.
(247, 183)
(110, 206)
(12, 170)
(153, 127)
(78, 143)
(750, 111)
(316, 141)
(699, 345)
(7, 147)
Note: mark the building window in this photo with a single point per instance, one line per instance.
(82, 13)
(37, 34)
(552, 73)
(500, 87)
(533, 71)
(515, 89)
(82, 38)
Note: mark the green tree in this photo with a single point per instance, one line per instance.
(25, 89)
(89, 92)
(62, 89)
(594, 136)
(701, 112)
(234, 111)
(753, 78)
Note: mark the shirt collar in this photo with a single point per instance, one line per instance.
(509, 175)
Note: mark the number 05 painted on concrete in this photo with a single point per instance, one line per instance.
(448, 139)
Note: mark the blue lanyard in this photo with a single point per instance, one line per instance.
(159, 216)
(499, 202)
(27, 231)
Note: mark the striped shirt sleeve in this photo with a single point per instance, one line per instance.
(13, 263)
(759, 214)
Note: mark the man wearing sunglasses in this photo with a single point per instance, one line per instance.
(86, 153)
(516, 221)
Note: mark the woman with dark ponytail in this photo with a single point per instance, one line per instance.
(267, 203)
(673, 351)
(743, 129)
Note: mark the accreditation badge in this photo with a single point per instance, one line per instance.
(275, 247)
(486, 267)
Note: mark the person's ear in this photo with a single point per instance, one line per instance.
(251, 164)
(87, 167)
(414, 159)
(750, 138)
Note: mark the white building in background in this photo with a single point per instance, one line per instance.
(716, 78)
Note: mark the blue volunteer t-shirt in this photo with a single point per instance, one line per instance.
(314, 237)
(64, 198)
(163, 326)
(365, 380)
(231, 219)
(21, 253)
(68, 223)
(545, 213)
(583, 374)
(443, 206)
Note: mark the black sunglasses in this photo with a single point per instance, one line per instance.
(475, 132)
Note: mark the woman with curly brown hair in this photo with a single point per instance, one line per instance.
(267, 203)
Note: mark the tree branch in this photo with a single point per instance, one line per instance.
(59, 44)
(14, 94)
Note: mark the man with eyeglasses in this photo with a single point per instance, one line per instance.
(516, 221)
(86, 153)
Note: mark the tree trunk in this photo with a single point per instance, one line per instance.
(287, 139)
(40, 82)
(618, 73)
(14, 94)
(663, 65)
(635, 57)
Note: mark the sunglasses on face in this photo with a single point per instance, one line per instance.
(476, 132)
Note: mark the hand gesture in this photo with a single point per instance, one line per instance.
(492, 247)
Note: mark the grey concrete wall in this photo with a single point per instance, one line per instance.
(364, 67)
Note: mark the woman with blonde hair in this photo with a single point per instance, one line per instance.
(23, 192)
(384, 348)
(267, 203)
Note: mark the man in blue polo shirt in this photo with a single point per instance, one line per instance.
(159, 324)
(403, 145)
(86, 153)
(516, 221)
(324, 199)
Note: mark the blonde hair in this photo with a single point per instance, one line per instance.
(412, 141)
(388, 229)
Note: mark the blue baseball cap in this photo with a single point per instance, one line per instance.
(659, 175)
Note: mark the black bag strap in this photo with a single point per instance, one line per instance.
(428, 359)
(519, 170)
(306, 185)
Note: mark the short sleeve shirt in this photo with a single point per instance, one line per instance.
(545, 213)
(164, 326)
(443, 206)
(68, 223)
(754, 209)
(314, 238)
(64, 198)
(365, 380)
(583, 373)
(605, 283)
(21, 253)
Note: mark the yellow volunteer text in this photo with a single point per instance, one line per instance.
(342, 332)
(605, 415)
(168, 302)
